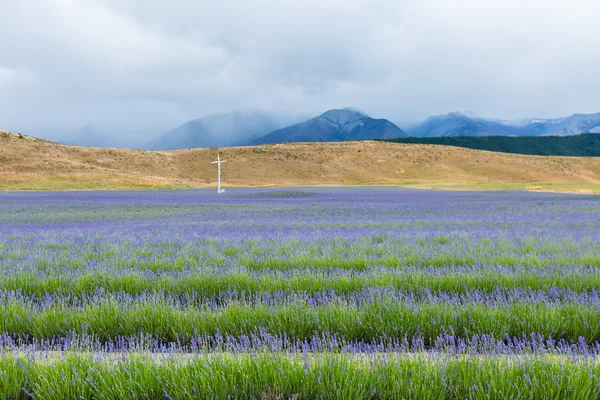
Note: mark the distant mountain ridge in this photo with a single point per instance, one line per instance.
(335, 126)
(243, 128)
(461, 124)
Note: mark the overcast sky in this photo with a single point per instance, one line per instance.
(141, 67)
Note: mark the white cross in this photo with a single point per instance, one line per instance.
(219, 162)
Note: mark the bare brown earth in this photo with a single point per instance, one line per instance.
(30, 163)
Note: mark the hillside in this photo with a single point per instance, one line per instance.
(335, 126)
(29, 163)
(587, 145)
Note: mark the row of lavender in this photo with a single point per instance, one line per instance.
(272, 273)
(306, 376)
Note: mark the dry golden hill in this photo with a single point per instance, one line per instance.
(30, 163)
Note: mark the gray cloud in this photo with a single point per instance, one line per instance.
(141, 67)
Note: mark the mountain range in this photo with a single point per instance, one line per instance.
(335, 126)
(463, 124)
(242, 128)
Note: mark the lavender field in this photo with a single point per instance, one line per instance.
(303, 293)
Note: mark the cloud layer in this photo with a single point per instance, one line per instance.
(141, 67)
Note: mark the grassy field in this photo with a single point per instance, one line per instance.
(328, 293)
(28, 164)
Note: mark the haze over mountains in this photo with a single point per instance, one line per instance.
(93, 136)
(219, 130)
(241, 128)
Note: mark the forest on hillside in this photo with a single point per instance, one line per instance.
(586, 145)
